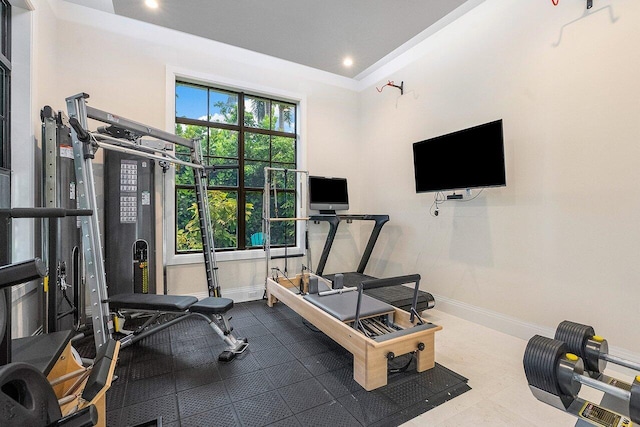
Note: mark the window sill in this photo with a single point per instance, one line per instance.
(183, 259)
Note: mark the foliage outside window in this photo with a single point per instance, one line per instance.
(251, 132)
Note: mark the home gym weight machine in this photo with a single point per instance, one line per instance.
(557, 368)
(110, 137)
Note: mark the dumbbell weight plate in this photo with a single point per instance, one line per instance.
(26, 397)
(579, 339)
(545, 368)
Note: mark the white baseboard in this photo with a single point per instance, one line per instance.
(491, 319)
(518, 328)
(241, 294)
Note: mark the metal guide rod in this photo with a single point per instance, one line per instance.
(169, 159)
(206, 228)
(91, 243)
(266, 210)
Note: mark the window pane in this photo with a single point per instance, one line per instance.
(3, 143)
(184, 174)
(253, 207)
(3, 81)
(223, 107)
(223, 206)
(256, 146)
(223, 177)
(3, 27)
(256, 112)
(283, 149)
(254, 174)
(198, 133)
(284, 117)
(187, 227)
(284, 180)
(283, 232)
(191, 101)
(223, 143)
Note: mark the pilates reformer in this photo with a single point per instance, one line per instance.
(373, 331)
(124, 135)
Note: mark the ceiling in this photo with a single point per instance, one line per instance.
(318, 34)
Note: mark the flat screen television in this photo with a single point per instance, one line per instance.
(328, 194)
(468, 158)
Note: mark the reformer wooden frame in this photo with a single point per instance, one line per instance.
(369, 356)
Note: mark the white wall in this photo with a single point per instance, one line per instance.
(122, 64)
(562, 239)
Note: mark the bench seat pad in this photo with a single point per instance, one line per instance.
(212, 305)
(152, 302)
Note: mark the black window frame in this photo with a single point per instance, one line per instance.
(5, 96)
(242, 190)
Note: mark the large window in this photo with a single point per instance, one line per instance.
(246, 130)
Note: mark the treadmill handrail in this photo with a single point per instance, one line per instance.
(334, 222)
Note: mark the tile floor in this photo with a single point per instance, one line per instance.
(499, 395)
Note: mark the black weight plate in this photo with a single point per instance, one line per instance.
(26, 398)
(541, 358)
(575, 335)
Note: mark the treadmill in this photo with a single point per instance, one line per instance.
(398, 296)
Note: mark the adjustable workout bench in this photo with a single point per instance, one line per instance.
(373, 331)
(212, 309)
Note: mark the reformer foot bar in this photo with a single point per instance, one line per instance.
(373, 331)
(211, 309)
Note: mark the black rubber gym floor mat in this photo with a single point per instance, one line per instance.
(291, 375)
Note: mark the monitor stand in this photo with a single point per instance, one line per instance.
(327, 212)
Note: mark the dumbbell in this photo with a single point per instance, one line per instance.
(555, 376)
(591, 348)
(27, 400)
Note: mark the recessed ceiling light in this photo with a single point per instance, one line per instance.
(153, 4)
(347, 62)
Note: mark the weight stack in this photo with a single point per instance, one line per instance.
(129, 237)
